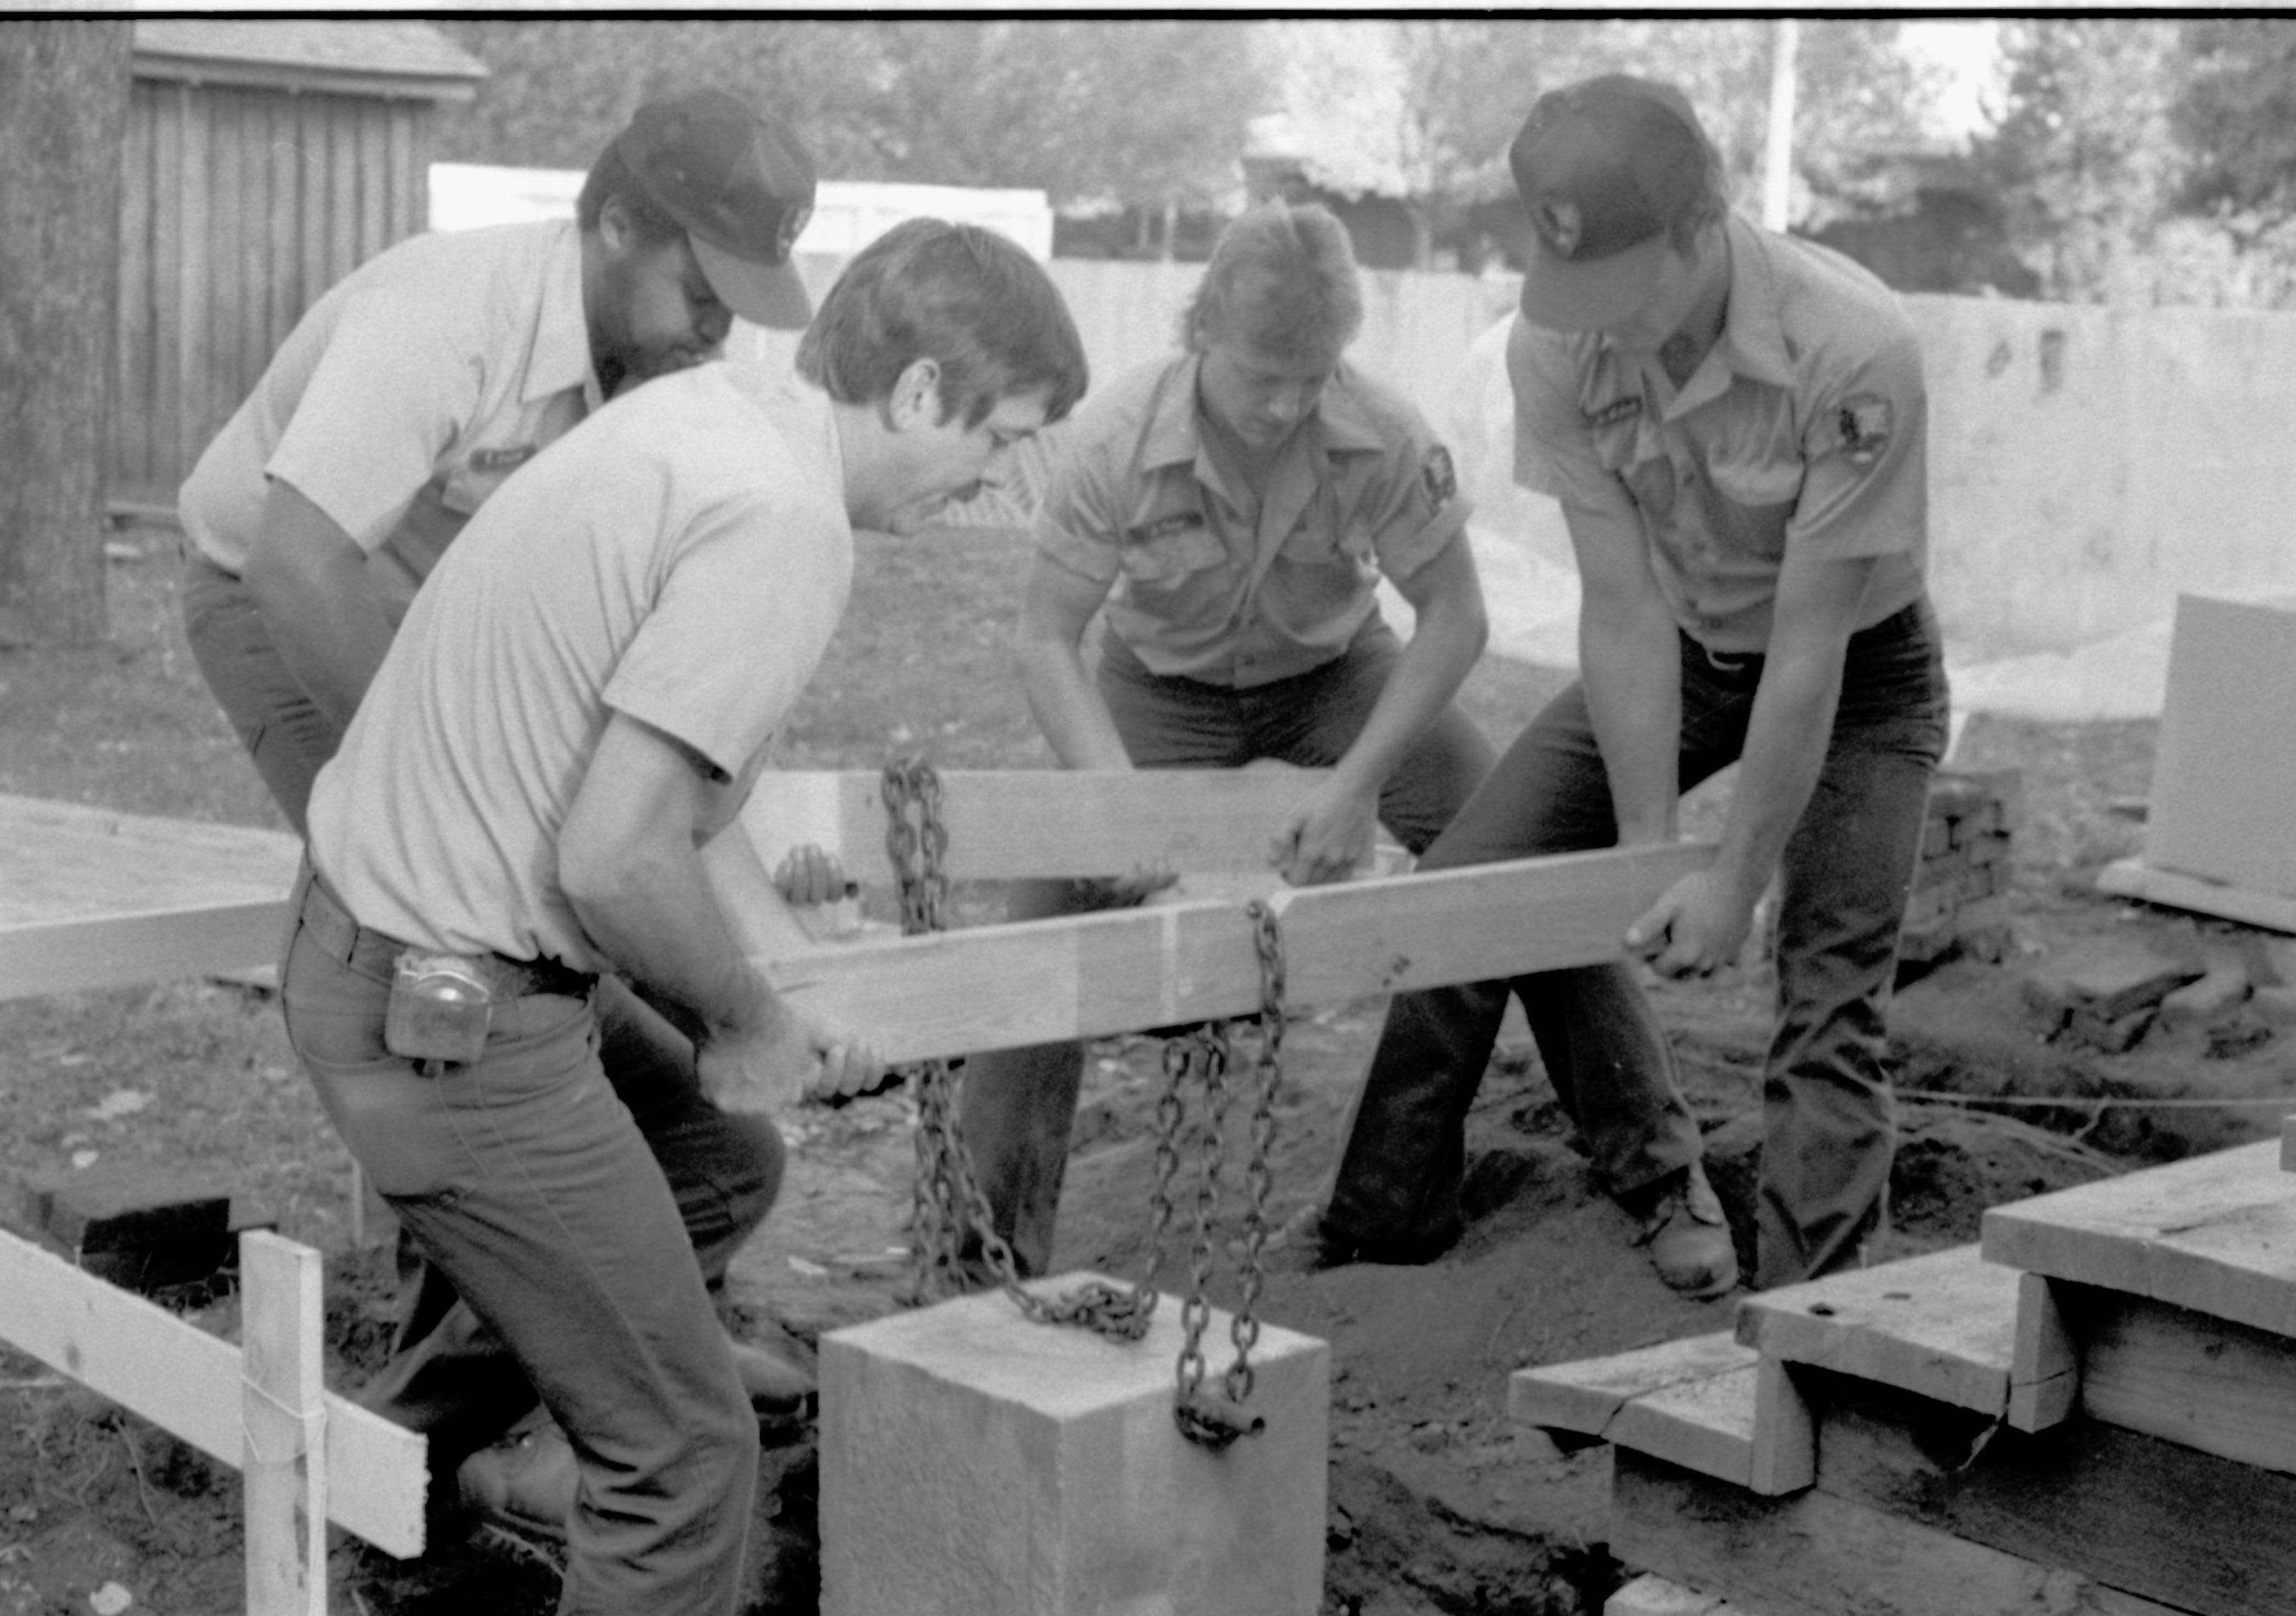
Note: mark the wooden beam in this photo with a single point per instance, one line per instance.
(2156, 1520)
(146, 945)
(176, 1375)
(2044, 1363)
(1004, 824)
(996, 987)
(2225, 1389)
(1942, 1324)
(2211, 1233)
(1815, 1554)
(1583, 1397)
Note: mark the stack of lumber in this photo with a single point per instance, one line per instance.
(2093, 1410)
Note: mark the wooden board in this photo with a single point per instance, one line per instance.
(1583, 1397)
(176, 1375)
(94, 899)
(1705, 1425)
(2215, 1233)
(2222, 1388)
(1004, 824)
(1942, 1324)
(996, 987)
(2133, 878)
(2153, 1519)
(1818, 1555)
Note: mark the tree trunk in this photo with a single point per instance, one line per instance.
(64, 119)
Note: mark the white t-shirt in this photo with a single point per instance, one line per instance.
(681, 557)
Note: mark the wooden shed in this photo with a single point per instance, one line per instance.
(264, 160)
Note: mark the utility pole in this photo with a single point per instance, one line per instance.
(1777, 156)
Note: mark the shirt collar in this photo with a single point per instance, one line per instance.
(1341, 423)
(1753, 327)
(560, 348)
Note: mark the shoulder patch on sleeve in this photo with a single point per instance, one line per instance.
(1865, 422)
(1438, 476)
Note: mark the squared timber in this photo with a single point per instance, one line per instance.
(1943, 1325)
(1005, 824)
(2153, 1520)
(1093, 975)
(2215, 1233)
(1815, 1554)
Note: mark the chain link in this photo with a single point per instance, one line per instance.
(947, 1194)
(947, 1197)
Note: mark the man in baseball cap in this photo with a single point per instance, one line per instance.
(1616, 175)
(398, 404)
(1734, 423)
(740, 185)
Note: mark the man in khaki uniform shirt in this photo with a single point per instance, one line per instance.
(1234, 508)
(407, 394)
(1735, 423)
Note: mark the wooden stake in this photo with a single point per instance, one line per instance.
(284, 1413)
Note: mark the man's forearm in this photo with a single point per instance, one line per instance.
(657, 915)
(1630, 669)
(1067, 710)
(309, 582)
(1786, 741)
(1443, 649)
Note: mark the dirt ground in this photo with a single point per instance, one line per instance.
(1437, 1504)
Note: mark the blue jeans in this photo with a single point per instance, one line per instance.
(1844, 876)
(1018, 1106)
(285, 734)
(584, 1237)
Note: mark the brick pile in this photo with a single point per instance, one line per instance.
(1960, 889)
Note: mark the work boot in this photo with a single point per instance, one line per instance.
(779, 1379)
(1682, 1224)
(525, 1482)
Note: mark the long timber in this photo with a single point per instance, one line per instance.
(996, 987)
(1004, 824)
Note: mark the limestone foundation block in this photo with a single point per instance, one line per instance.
(974, 1463)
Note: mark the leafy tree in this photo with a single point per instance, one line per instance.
(1115, 110)
(1465, 85)
(2235, 110)
(2084, 157)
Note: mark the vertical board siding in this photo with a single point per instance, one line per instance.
(239, 208)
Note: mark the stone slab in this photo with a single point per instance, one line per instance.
(974, 1463)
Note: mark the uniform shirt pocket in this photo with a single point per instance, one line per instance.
(1166, 554)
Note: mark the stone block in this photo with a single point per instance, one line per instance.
(1654, 1596)
(974, 1463)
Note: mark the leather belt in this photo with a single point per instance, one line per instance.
(376, 953)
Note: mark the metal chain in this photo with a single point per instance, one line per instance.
(947, 1195)
(1206, 1048)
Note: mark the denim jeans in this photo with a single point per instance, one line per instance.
(282, 729)
(1018, 1106)
(584, 1237)
(1844, 875)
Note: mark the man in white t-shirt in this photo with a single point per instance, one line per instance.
(583, 698)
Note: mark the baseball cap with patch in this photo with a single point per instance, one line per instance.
(1607, 167)
(741, 184)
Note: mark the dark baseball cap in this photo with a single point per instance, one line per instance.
(741, 184)
(1607, 167)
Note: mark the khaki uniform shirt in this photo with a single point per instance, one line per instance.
(406, 395)
(1202, 589)
(680, 557)
(1805, 429)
